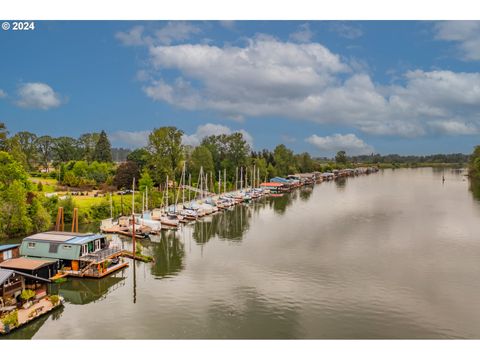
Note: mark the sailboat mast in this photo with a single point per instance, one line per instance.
(111, 206)
(236, 178)
(241, 178)
(133, 196)
(224, 180)
(166, 200)
(219, 182)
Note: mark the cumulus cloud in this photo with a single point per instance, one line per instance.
(331, 144)
(464, 33)
(2, 94)
(306, 81)
(303, 34)
(132, 37)
(132, 139)
(453, 127)
(37, 96)
(213, 129)
(346, 30)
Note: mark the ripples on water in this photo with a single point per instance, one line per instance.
(389, 255)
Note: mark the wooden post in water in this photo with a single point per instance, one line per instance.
(75, 220)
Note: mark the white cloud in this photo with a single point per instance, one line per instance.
(453, 127)
(464, 33)
(133, 37)
(2, 94)
(171, 32)
(303, 34)
(331, 144)
(306, 81)
(133, 139)
(37, 96)
(213, 129)
(346, 30)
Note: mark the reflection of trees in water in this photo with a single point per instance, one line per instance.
(341, 183)
(28, 331)
(280, 204)
(475, 188)
(168, 253)
(254, 316)
(227, 225)
(84, 291)
(306, 192)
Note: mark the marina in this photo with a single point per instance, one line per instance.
(337, 247)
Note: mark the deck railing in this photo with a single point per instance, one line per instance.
(101, 255)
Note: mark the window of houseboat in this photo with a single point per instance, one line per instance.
(7, 254)
(31, 245)
(53, 248)
(97, 244)
(84, 249)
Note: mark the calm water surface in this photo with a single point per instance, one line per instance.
(389, 255)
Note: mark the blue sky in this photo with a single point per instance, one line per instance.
(407, 87)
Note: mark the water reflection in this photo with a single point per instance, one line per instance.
(306, 192)
(168, 253)
(84, 291)
(254, 317)
(475, 188)
(341, 182)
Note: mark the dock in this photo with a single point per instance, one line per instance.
(41, 308)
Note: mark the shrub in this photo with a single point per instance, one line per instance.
(27, 294)
(11, 319)
(54, 299)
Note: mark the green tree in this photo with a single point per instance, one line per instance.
(14, 219)
(41, 219)
(201, 158)
(103, 149)
(10, 171)
(27, 141)
(44, 146)
(284, 160)
(145, 181)
(87, 143)
(305, 163)
(140, 157)
(124, 175)
(166, 150)
(3, 136)
(341, 157)
(65, 149)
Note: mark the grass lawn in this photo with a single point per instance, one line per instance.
(49, 185)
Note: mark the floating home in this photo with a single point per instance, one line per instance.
(15, 311)
(76, 254)
(9, 251)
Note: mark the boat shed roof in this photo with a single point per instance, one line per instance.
(25, 263)
(8, 247)
(64, 237)
(5, 274)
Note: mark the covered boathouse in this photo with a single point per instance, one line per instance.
(77, 254)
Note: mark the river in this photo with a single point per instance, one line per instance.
(389, 255)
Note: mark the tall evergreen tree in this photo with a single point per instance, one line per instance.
(3, 136)
(103, 149)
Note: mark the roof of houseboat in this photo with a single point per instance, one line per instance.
(5, 275)
(25, 263)
(8, 246)
(65, 237)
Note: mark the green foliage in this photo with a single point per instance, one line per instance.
(68, 205)
(201, 157)
(28, 146)
(145, 181)
(40, 187)
(87, 143)
(3, 136)
(10, 171)
(27, 294)
(65, 149)
(14, 218)
(11, 319)
(140, 157)
(124, 175)
(40, 217)
(54, 299)
(103, 149)
(341, 157)
(166, 152)
(44, 147)
(284, 160)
